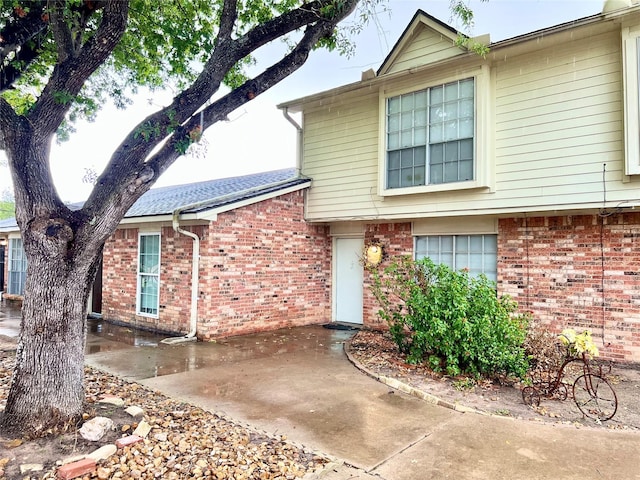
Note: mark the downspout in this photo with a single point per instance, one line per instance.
(299, 132)
(195, 279)
(195, 267)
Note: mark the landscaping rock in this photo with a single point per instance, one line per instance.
(103, 452)
(96, 428)
(135, 411)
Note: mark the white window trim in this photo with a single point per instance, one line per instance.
(631, 95)
(482, 139)
(139, 276)
(10, 259)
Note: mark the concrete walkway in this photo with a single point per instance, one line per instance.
(300, 383)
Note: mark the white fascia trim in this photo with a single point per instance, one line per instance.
(212, 215)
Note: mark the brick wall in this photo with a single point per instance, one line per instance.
(119, 277)
(397, 240)
(262, 267)
(265, 268)
(577, 271)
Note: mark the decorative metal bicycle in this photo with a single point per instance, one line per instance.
(591, 391)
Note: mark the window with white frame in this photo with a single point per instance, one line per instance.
(17, 267)
(478, 253)
(430, 135)
(148, 296)
(631, 93)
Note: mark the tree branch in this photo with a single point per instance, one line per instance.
(19, 38)
(228, 19)
(61, 31)
(129, 163)
(249, 90)
(69, 77)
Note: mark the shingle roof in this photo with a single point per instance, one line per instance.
(212, 193)
(200, 196)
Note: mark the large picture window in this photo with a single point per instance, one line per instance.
(478, 253)
(17, 267)
(430, 136)
(148, 297)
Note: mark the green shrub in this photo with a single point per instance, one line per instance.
(452, 320)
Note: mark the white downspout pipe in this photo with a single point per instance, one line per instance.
(299, 139)
(195, 283)
(195, 268)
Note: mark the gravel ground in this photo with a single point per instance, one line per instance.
(185, 442)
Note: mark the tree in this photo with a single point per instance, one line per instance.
(58, 60)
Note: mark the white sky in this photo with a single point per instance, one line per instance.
(257, 137)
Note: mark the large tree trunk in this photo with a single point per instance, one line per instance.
(47, 387)
(62, 250)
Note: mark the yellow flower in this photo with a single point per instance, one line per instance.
(568, 336)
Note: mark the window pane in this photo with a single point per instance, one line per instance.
(466, 88)
(419, 175)
(420, 136)
(406, 158)
(466, 128)
(450, 172)
(394, 160)
(451, 91)
(420, 99)
(420, 118)
(393, 123)
(465, 170)
(466, 149)
(436, 95)
(393, 105)
(466, 108)
(419, 156)
(436, 134)
(490, 243)
(407, 102)
(394, 141)
(393, 180)
(451, 130)
(406, 138)
(436, 114)
(148, 274)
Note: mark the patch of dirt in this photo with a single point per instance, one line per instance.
(377, 353)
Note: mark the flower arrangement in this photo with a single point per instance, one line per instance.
(578, 344)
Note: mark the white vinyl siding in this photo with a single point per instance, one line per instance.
(17, 267)
(554, 118)
(148, 294)
(477, 253)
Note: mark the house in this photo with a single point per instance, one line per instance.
(222, 257)
(523, 165)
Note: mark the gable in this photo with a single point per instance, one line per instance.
(426, 40)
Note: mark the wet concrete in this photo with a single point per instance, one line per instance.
(9, 320)
(299, 382)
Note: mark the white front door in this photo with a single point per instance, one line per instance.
(348, 280)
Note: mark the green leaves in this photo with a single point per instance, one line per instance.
(452, 320)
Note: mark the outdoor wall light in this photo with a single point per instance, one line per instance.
(3, 242)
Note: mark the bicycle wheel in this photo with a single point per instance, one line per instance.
(595, 397)
(531, 396)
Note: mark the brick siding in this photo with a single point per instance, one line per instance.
(397, 240)
(262, 267)
(557, 267)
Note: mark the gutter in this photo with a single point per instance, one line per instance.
(195, 268)
(195, 281)
(299, 132)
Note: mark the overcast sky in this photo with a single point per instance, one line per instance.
(257, 137)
